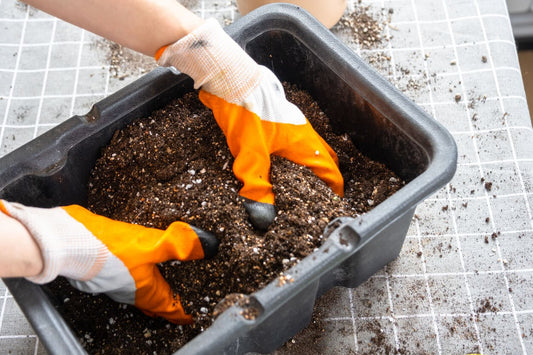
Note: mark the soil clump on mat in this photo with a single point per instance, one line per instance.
(176, 165)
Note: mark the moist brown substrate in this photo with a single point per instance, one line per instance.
(176, 165)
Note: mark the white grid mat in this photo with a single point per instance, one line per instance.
(464, 279)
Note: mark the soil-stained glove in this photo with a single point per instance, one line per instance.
(250, 106)
(99, 255)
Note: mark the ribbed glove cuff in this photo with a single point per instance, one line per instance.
(67, 247)
(215, 62)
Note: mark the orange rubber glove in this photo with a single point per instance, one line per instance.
(250, 106)
(99, 255)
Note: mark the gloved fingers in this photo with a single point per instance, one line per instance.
(135, 244)
(253, 169)
(181, 241)
(307, 148)
(209, 242)
(251, 149)
(247, 143)
(155, 298)
(261, 214)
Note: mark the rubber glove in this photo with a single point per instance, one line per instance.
(99, 255)
(249, 105)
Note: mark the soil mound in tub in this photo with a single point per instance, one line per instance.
(176, 165)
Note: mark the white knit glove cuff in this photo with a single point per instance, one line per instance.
(67, 247)
(215, 62)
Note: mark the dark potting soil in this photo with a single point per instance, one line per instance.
(176, 165)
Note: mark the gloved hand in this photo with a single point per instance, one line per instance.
(99, 255)
(250, 106)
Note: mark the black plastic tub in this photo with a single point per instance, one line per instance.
(54, 169)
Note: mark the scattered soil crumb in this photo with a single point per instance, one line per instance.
(249, 311)
(364, 26)
(368, 29)
(124, 62)
(487, 305)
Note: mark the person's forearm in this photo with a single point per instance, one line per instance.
(142, 25)
(19, 254)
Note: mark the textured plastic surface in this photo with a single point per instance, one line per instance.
(54, 168)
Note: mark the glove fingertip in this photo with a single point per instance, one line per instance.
(209, 242)
(261, 214)
(185, 319)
